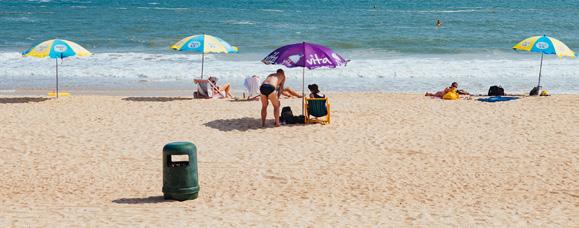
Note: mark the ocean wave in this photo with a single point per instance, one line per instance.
(455, 11)
(401, 73)
(19, 19)
(164, 8)
(235, 22)
(272, 10)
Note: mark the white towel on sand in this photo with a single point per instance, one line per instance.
(252, 85)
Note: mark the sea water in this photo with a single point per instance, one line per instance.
(393, 46)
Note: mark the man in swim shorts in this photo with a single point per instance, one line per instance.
(270, 90)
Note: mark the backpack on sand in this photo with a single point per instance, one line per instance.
(535, 91)
(496, 91)
(287, 115)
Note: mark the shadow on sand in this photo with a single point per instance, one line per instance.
(156, 99)
(150, 199)
(20, 100)
(239, 124)
(243, 124)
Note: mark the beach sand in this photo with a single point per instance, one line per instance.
(387, 160)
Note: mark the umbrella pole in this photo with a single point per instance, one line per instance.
(56, 77)
(202, 63)
(303, 89)
(540, 69)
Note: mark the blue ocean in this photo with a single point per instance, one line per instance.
(394, 46)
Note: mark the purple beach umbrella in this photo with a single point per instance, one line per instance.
(306, 55)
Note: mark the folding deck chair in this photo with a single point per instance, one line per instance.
(317, 107)
(206, 90)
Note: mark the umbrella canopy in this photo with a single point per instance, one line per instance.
(306, 55)
(204, 44)
(316, 56)
(545, 45)
(55, 49)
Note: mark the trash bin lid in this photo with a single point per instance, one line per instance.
(179, 148)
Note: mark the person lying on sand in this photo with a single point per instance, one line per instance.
(453, 86)
(315, 92)
(290, 93)
(270, 91)
(225, 88)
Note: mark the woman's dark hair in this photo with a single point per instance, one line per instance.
(313, 88)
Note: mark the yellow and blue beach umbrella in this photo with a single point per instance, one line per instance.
(544, 45)
(56, 49)
(204, 44)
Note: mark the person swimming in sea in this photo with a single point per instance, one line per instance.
(271, 89)
(438, 23)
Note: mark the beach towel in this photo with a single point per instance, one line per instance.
(252, 86)
(497, 99)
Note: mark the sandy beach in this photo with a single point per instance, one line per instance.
(386, 160)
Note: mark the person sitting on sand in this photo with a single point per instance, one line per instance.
(225, 88)
(315, 92)
(453, 86)
(270, 91)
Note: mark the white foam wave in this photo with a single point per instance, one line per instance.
(454, 11)
(19, 19)
(233, 22)
(272, 10)
(516, 73)
(163, 8)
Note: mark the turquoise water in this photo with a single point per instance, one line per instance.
(394, 41)
(389, 26)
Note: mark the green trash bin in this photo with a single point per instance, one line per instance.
(180, 179)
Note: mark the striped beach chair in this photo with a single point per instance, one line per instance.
(206, 89)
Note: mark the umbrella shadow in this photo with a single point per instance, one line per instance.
(21, 100)
(146, 200)
(243, 124)
(239, 124)
(156, 99)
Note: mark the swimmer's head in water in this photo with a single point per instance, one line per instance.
(279, 71)
(454, 84)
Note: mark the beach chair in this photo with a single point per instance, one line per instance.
(206, 90)
(317, 107)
